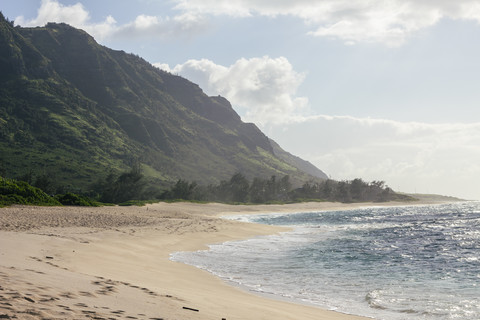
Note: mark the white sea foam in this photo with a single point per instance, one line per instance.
(386, 263)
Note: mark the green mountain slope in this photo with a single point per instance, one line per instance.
(297, 162)
(77, 110)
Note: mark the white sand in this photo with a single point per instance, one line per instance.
(113, 263)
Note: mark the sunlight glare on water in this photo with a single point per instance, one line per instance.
(416, 262)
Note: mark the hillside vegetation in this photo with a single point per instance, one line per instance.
(78, 113)
(19, 192)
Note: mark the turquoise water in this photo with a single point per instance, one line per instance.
(417, 262)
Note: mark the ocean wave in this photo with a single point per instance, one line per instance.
(386, 263)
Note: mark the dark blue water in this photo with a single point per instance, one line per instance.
(418, 262)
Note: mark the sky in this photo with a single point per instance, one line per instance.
(376, 89)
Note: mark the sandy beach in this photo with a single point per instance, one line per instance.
(113, 263)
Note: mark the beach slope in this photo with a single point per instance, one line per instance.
(113, 263)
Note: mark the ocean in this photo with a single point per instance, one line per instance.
(409, 262)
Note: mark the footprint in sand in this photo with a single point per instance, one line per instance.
(67, 308)
(80, 304)
(68, 295)
(117, 312)
(88, 312)
(106, 290)
(55, 265)
(5, 305)
(150, 292)
(31, 270)
(14, 295)
(47, 299)
(36, 259)
(86, 294)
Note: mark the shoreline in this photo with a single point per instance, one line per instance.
(116, 262)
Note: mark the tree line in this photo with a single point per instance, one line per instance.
(238, 189)
(355, 190)
(131, 185)
(113, 188)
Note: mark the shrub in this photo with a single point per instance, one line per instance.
(20, 192)
(72, 199)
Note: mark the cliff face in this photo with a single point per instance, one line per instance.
(77, 109)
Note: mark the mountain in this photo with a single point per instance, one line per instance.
(75, 110)
(297, 162)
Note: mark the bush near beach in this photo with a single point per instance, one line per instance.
(20, 192)
(72, 199)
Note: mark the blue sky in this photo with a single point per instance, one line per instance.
(382, 90)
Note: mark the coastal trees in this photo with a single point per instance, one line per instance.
(44, 182)
(181, 190)
(257, 191)
(129, 185)
(126, 186)
(355, 190)
(237, 189)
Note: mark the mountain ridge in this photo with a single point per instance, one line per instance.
(78, 110)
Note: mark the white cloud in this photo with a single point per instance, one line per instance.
(265, 88)
(76, 15)
(372, 21)
(144, 26)
(410, 156)
(388, 22)
(52, 11)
